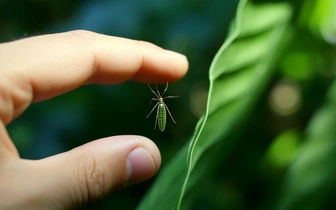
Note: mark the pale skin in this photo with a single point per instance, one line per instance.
(39, 68)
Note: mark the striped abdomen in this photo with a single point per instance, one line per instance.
(161, 117)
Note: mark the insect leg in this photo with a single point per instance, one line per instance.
(157, 114)
(153, 90)
(158, 92)
(153, 109)
(170, 97)
(169, 113)
(153, 99)
(165, 89)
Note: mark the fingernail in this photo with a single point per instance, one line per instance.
(140, 165)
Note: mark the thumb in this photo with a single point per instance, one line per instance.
(90, 171)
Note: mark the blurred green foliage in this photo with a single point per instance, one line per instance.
(246, 56)
(281, 158)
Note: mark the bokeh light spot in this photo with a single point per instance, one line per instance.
(198, 99)
(285, 98)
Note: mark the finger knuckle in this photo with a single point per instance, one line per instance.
(94, 178)
(87, 42)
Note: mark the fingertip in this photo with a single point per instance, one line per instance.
(161, 66)
(124, 159)
(140, 165)
(154, 151)
(147, 149)
(171, 66)
(181, 61)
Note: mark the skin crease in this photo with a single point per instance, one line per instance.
(42, 67)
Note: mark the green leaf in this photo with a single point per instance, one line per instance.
(238, 75)
(311, 175)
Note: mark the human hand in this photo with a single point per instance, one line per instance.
(42, 67)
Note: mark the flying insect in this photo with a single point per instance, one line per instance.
(161, 116)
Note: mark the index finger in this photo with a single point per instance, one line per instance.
(46, 66)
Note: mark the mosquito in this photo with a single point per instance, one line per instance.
(161, 116)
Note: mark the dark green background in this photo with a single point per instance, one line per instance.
(194, 28)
